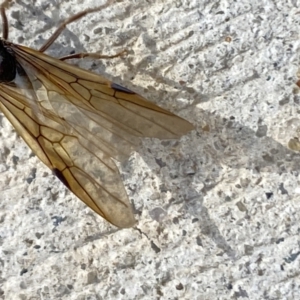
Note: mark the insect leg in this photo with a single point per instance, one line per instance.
(61, 27)
(93, 55)
(5, 28)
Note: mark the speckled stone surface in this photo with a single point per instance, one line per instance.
(219, 210)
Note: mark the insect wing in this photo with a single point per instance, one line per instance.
(77, 123)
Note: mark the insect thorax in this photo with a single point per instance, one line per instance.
(7, 64)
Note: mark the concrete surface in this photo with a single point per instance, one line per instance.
(218, 211)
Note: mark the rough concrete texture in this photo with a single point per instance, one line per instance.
(218, 210)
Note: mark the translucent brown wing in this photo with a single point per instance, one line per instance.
(78, 122)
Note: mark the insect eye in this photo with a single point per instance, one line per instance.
(7, 65)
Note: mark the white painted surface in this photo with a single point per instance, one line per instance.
(221, 205)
